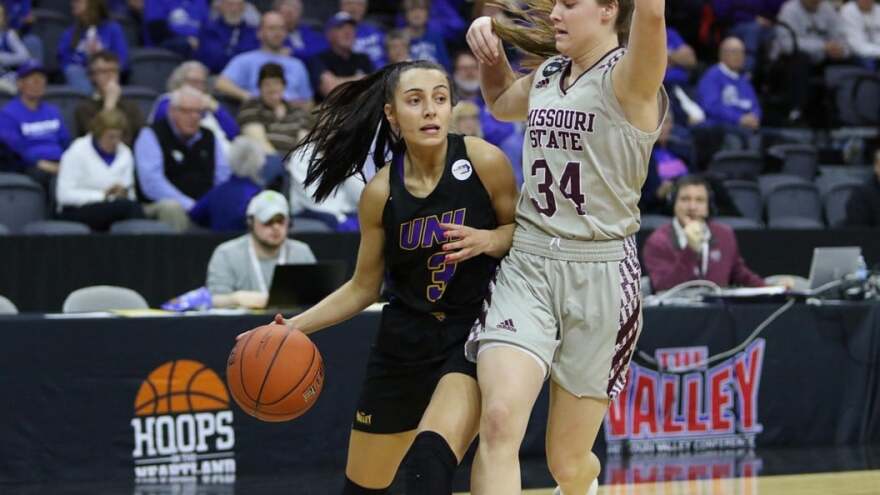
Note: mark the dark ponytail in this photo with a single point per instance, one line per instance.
(345, 124)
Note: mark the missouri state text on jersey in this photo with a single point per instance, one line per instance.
(559, 129)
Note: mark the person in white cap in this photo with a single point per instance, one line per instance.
(240, 271)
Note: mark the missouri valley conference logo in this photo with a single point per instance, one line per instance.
(183, 426)
(690, 408)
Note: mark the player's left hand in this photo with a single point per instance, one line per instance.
(465, 242)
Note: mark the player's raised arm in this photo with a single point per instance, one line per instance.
(639, 75)
(506, 94)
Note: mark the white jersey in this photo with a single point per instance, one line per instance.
(583, 163)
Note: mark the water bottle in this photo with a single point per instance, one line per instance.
(861, 272)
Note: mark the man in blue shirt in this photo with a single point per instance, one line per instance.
(368, 39)
(239, 79)
(31, 129)
(424, 44)
(726, 95)
(178, 161)
(226, 36)
(302, 40)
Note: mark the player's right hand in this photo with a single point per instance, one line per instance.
(484, 43)
(279, 320)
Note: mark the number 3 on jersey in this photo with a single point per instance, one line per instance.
(569, 186)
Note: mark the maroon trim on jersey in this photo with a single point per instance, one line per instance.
(567, 70)
(629, 319)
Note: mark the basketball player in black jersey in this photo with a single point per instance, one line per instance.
(434, 222)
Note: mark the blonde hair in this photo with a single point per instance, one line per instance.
(108, 120)
(533, 33)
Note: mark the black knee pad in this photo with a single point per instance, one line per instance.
(352, 488)
(430, 465)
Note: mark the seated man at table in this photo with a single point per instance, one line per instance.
(693, 247)
(240, 271)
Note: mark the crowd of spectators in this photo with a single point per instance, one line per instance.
(741, 74)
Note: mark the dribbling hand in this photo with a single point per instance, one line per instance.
(483, 41)
(279, 320)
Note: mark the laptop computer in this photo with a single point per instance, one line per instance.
(831, 264)
(298, 286)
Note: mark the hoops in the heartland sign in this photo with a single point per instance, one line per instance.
(183, 426)
(691, 407)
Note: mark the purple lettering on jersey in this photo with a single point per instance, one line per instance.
(411, 233)
(441, 275)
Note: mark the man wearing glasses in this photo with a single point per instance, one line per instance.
(178, 161)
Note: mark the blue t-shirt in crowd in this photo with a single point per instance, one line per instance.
(33, 134)
(108, 32)
(676, 76)
(430, 47)
(370, 40)
(244, 71)
(305, 42)
(726, 96)
(443, 18)
(16, 11)
(224, 207)
(183, 17)
(219, 42)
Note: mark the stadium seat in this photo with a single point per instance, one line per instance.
(736, 164)
(56, 227)
(797, 159)
(737, 223)
(151, 67)
(7, 307)
(144, 97)
(794, 223)
(66, 99)
(60, 6)
(768, 182)
(22, 201)
(747, 197)
(855, 92)
(651, 222)
(48, 26)
(834, 201)
(103, 298)
(308, 225)
(141, 226)
(794, 200)
(827, 182)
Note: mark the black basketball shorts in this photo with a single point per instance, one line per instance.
(412, 352)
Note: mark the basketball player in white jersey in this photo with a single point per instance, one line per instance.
(565, 304)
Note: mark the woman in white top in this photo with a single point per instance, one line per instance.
(96, 177)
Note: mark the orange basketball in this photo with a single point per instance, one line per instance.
(274, 373)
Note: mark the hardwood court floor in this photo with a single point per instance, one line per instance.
(846, 483)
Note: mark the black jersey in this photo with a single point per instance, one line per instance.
(416, 274)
